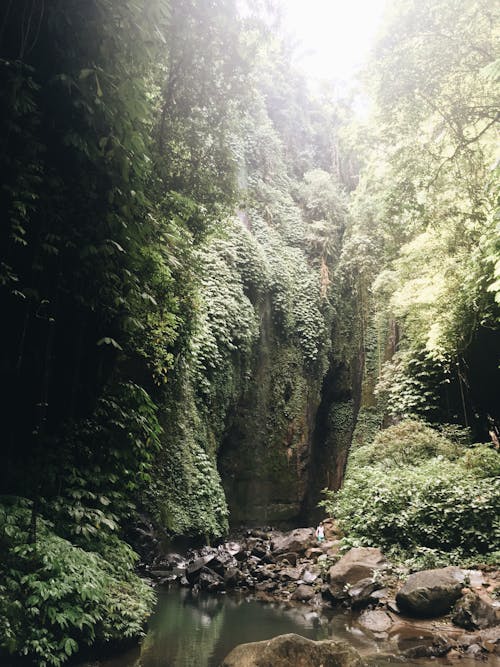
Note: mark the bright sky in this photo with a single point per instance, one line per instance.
(335, 35)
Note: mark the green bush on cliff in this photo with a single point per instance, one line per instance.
(56, 597)
(416, 493)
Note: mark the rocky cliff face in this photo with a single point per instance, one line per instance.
(265, 457)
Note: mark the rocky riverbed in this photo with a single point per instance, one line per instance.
(447, 611)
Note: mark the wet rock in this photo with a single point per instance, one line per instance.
(291, 649)
(209, 580)
(222, 561)
(303, 593)
(488, 639)
(298, 540)
(232, 577)
(375, 620)
(437, 650)
(266, 586)
(474, 650)
(160, 574)
(193, 568)
(431, 592)
(475, 612)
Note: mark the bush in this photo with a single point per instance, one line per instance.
(408, 443)
(56, 597)
(412, 493)
(436, 505)
(482, 461)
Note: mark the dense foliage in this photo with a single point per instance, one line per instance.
(422, 497)
(200, 290)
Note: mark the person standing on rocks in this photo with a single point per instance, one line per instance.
(320, 532)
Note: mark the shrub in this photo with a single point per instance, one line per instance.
(408, 443)
(482, 461)
(56, 597)
(436, 505)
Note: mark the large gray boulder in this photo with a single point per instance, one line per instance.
(293, 651)
(298, 541)
(358, 565)
(431, 592)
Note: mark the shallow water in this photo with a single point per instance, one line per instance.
(188, 631)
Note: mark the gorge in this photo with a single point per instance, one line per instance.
(230, 293)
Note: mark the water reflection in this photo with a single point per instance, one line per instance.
(189, 631)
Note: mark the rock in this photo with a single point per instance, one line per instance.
(291, 557)
(293, 650)
(232, 577)
(298, 540)
(303, 593)
(193, 568)
(290, 574)
(375, 620)
(474, 578)
(308, 577)
(313, 553)
(351, 576)
(362, 592)
(358, 563)
(266, 586)
(160, 574)
(222, 561)
(475, 612)
(209, 580)
(488, 639)
(174, 559)
(431, 592)
(475, 650)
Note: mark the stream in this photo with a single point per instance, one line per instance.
(199, 631)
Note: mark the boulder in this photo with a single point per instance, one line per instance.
(431, 592)
(375, 620)
(193, 568)
(362, 592)
(232, 577)
(358, 565)
(303, 593)
(222, 561)
(293, 650)
(475, 612)
(298, 540)
(209, 580)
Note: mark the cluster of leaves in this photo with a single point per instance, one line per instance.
(417, 493)
(56, 597)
